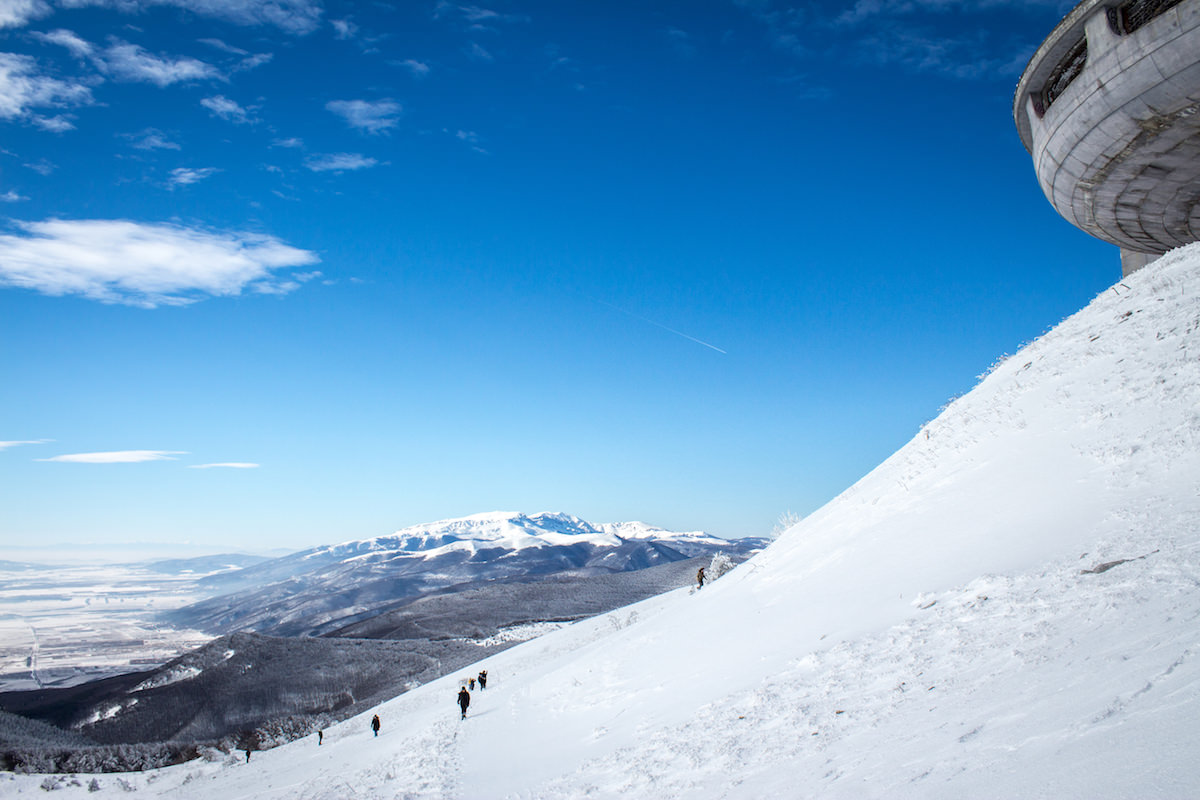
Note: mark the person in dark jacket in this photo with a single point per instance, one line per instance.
(700, 578)
(464, 700)
(483, 680)
(471, 684)
(375, 724)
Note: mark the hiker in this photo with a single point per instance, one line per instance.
(464, 700)
(247, 755)
(472, 682)
(483, 680)
(320, 737)
(700, 578)
(375, 724)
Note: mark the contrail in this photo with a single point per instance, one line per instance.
(664, 327)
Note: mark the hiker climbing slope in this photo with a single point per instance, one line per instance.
(464, 700)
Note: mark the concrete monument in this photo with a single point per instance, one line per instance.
(1109, 108)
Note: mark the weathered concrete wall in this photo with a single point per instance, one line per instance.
(1117, 148)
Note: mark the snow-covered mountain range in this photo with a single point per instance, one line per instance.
(1007, 607)
(318, 590)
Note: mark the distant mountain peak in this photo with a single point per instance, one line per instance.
(512, 530)
(318, 588)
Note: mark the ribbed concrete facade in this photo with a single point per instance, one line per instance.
(1109, 108)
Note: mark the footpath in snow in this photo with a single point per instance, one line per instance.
(1007, 607)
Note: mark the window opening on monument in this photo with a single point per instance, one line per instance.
(1067, 70)
(1137, 13)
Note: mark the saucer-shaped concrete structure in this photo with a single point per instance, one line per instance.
(1109, 108)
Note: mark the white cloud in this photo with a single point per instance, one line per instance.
(375, 117)
(151, 139)
(185, 176)
(118, 457)
(64, 38)
(290, 142)
(419, 69)
(15, 13)
(339, 162)
(471, 138)
(256, 60)
(56, 124)
(227, 465)
(6, 445)
(229, 110)
(476, 15)
(11, 197)
(23, 88)
(343, 28)
(132, 63)
(42, 167)
(142, 264)
(293, 16)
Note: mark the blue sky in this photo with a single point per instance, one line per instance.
(275, 274)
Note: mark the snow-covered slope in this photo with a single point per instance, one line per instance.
(1008, 607)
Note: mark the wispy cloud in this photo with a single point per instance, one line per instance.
(23, 89)
(142, 264)
(42, 167)
(6, 445)
(221, 45)
(118, 457)
(343, 28)
(18, 13)
(64, 38)
(56, 124)
(374, 117)
(253, 61)
(918, 35)
(229, 110)
(293, 16)
(186, 176)
(476, 52)
(11, 197)
(681, 42)
(130, 62)
(339, 162)
(471, 138)
(150, 139)
(476, 16)
(226, 465)
(290, 142)
(419, 69)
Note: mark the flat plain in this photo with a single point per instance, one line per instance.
(64, 625)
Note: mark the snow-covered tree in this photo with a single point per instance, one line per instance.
(786, 520)
(720, 564)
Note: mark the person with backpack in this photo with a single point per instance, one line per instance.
(483, 680)
(464, 700)
(375, 724)
(700, 578)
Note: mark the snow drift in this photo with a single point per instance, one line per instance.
(1007, 607)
